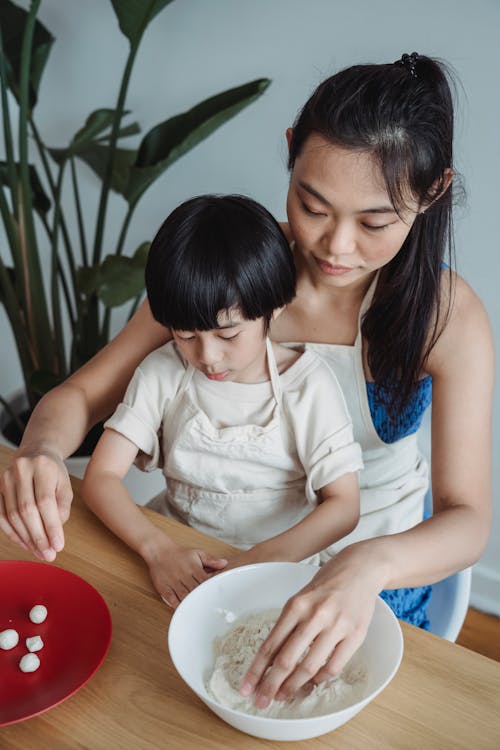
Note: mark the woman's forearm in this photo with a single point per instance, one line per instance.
(63, 417)
(58, 424)
(451, 540)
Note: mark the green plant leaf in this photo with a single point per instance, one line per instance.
(121, 280)
(133, 129)
(86, 138)
(95, 156)
(87, 278)
(96, 123)
(134, 16)
(117, 279)
(171, 139)
(41, 201)
(13, 23)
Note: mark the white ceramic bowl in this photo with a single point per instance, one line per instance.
(201, 617)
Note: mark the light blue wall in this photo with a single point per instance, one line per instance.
(196, 48)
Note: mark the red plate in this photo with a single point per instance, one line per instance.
(76, 636)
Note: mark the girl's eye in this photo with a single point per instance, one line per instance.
(230, 338)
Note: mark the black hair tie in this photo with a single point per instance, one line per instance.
(409, 62)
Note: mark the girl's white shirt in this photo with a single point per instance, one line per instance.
(243, 462)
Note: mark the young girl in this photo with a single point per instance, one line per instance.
(254, 439)
(369, 219)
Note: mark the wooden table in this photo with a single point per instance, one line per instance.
(443, 696)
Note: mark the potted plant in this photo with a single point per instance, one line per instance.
(85, 282)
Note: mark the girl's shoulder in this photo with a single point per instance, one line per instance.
(163, 364)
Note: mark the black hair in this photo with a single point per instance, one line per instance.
(401, 114)
(213, 253)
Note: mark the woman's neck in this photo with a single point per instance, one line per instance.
(322, 314)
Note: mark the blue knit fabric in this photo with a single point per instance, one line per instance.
(410, 418)
(410, 604)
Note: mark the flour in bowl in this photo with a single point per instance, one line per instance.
(234, 653)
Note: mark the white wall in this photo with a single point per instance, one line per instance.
(196, 48)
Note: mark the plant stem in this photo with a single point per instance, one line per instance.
(78, 206)
(106, 183)
(10, 228)
(36, 308)
(61, 370)
(126, 223)
(15, 417)
(67, 297)
(17, 322)
(67, 244)
(119, 250)
(7, 133)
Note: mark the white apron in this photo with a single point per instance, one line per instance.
(236, 483)
(394, 480)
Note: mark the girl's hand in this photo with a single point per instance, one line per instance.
(178, 570)
(35, 502)
(329, 616)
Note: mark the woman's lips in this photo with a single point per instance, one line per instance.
(332, 270)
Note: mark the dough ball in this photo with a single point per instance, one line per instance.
(9, 639)
(38, 613)
(29, 663)
(34, 643)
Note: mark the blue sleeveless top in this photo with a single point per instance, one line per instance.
(409, 604)
(410, 418)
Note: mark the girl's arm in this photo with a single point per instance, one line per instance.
(174, 570)
(336, 515)
(35, 491)
(333, 612)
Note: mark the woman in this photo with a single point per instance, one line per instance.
(369, 209)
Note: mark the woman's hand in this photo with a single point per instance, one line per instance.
(35, 502)
(177, 570)
(329, 616)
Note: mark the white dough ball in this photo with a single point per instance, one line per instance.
(29, 663)
(34, 643)
(38, 613)
(8, 639)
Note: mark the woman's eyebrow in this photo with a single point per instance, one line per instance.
(378, 210)
(388, 209)
(305, 186)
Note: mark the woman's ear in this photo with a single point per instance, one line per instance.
(289, 133)
(277, 311)
(440, 186)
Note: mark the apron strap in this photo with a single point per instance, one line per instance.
(273, 372)
(186, 379)
(367, 300)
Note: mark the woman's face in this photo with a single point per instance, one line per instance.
(340, 214)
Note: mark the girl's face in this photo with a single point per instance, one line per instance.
(236, 351)
(340, 214)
